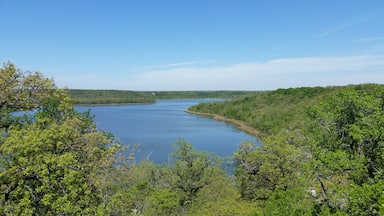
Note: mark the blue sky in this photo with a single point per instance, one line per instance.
(195, 44)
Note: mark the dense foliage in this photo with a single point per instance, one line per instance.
(48, 158)
(326, 157)
(324, 154)
(268, 111)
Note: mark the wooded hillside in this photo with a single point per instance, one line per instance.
(271, 111)
(323, 155)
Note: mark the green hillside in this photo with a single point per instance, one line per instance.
(270, 111)
(323, 153)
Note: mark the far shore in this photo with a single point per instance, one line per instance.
(113, 104)
(241, 125)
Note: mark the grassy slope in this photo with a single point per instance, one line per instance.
(271, 111)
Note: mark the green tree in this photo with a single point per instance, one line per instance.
(352, 121)
(367, 199)
(274, 166)
(293, 201)
(191, 171)
(221, 197)
(347, 145)
(21, 91)
(163, 202)
(49, 164)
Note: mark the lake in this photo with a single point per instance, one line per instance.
(155, 127)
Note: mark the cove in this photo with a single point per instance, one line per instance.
(155, 127)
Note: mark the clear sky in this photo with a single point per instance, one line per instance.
(195, 44)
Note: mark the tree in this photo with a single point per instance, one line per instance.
(348, 147)
(274, 166)
(352, 121)
(191, 171)
(163, 202)
(367, 199)
(293, 201)
(221, 197)
(21, 91)
(50, 163)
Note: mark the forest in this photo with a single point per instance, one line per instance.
(322, 153)
(87, 97)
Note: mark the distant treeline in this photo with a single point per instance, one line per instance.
(80, 96)
(199, 94)
(110, 96)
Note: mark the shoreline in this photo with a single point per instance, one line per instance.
(141, 103)
(241, 125)
(114, 104)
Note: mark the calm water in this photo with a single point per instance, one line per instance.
(155, 127)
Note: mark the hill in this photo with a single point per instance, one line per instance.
(270, 111)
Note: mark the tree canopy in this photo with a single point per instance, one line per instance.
(48, 162)
(324, 158)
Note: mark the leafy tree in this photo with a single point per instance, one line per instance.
(117, 185)
(21, 91)
(191, 171)
(163, 202)
(347, 144)
(367, 199)
(353, 121)
(221, 197)
(293, 201)
(274, 166)
(49, 164)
